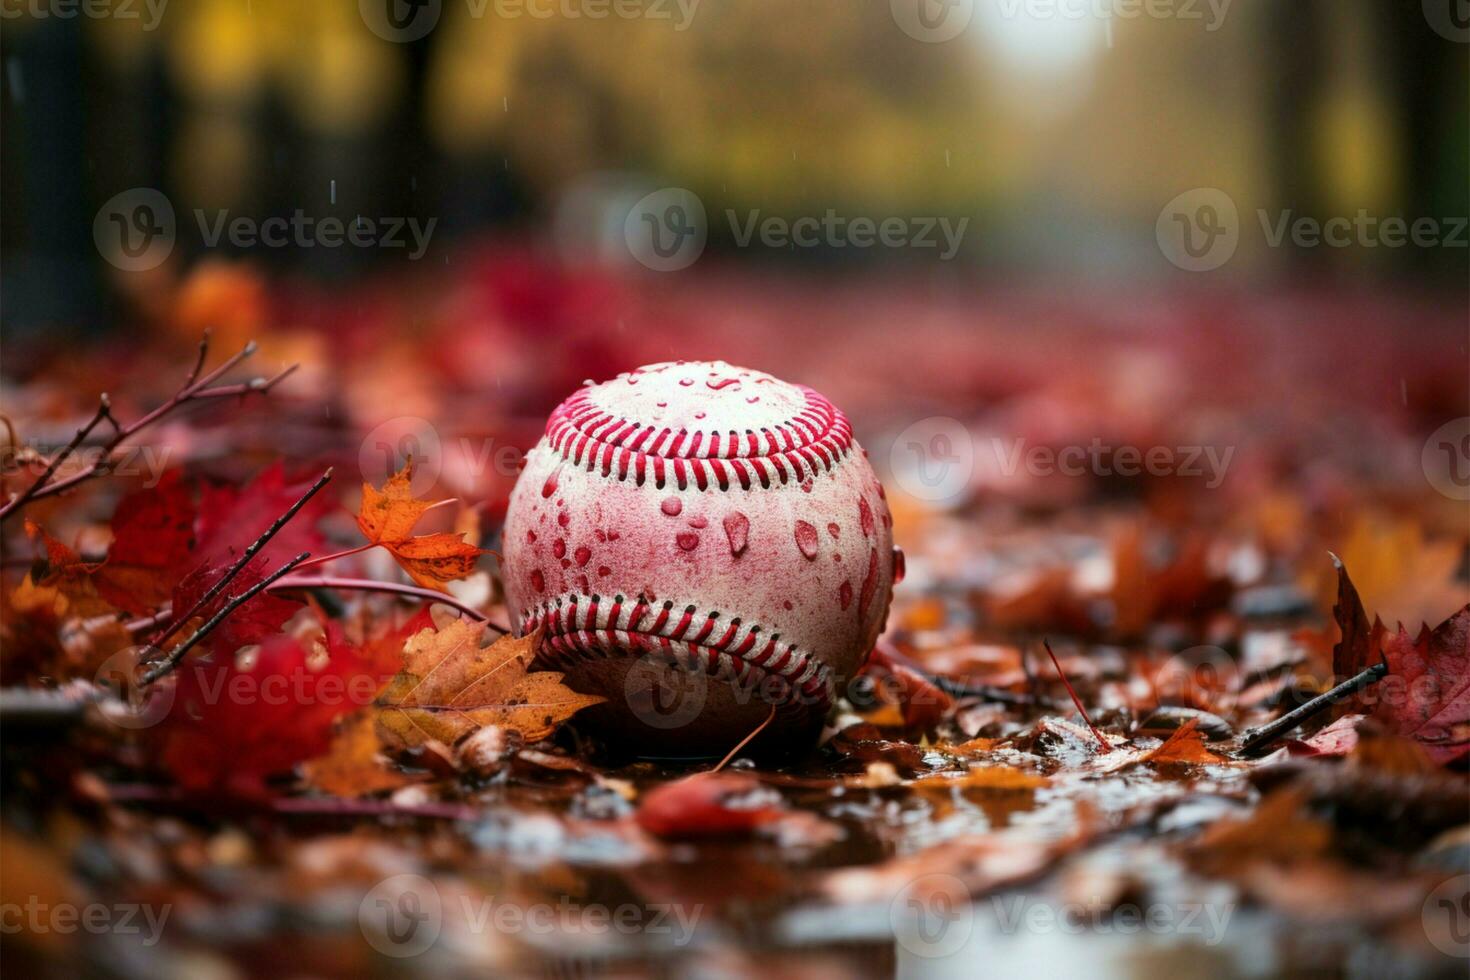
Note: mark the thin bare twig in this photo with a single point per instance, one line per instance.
(196, 388)
(1075, 699)
(395, 588)
(746, 740)
(235, 602)
(104, 409)
(1268, 733)
(240, 563)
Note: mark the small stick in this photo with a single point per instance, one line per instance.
(1075, 699)
(746, 740)
(1270, 732)
(195, 389)
(240, 563)
(177, 653)
(395, 588)
(340, 554)
(104, 409)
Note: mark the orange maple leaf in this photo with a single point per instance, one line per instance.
(64, 576)
(387, 517)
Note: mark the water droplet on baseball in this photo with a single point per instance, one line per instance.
(538, 581)
(737, 528)
(671, 506)
(806, 539)
(559, 548)
(834, 530)
(687, 540)
(870, 584)
(584, 555)
(549, 487)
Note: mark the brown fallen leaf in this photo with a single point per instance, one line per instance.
(450, 686)
(354, 765)
(1279, 829)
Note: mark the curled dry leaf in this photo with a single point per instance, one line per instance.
(450, 686)
(354, 765)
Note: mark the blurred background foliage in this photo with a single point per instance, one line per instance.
(1060, 137)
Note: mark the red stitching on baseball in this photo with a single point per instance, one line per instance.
(587, 630)
(812, 441)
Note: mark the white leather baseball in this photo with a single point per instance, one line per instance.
(715, 522)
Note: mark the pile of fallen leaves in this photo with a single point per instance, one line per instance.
(253, 703)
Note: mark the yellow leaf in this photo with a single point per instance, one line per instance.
(450, 686)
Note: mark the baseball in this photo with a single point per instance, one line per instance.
(700, 543)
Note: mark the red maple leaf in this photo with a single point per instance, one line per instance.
(253, 621)
(152, 546)
(230, 518)
(230, 727)
(1426, 694)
